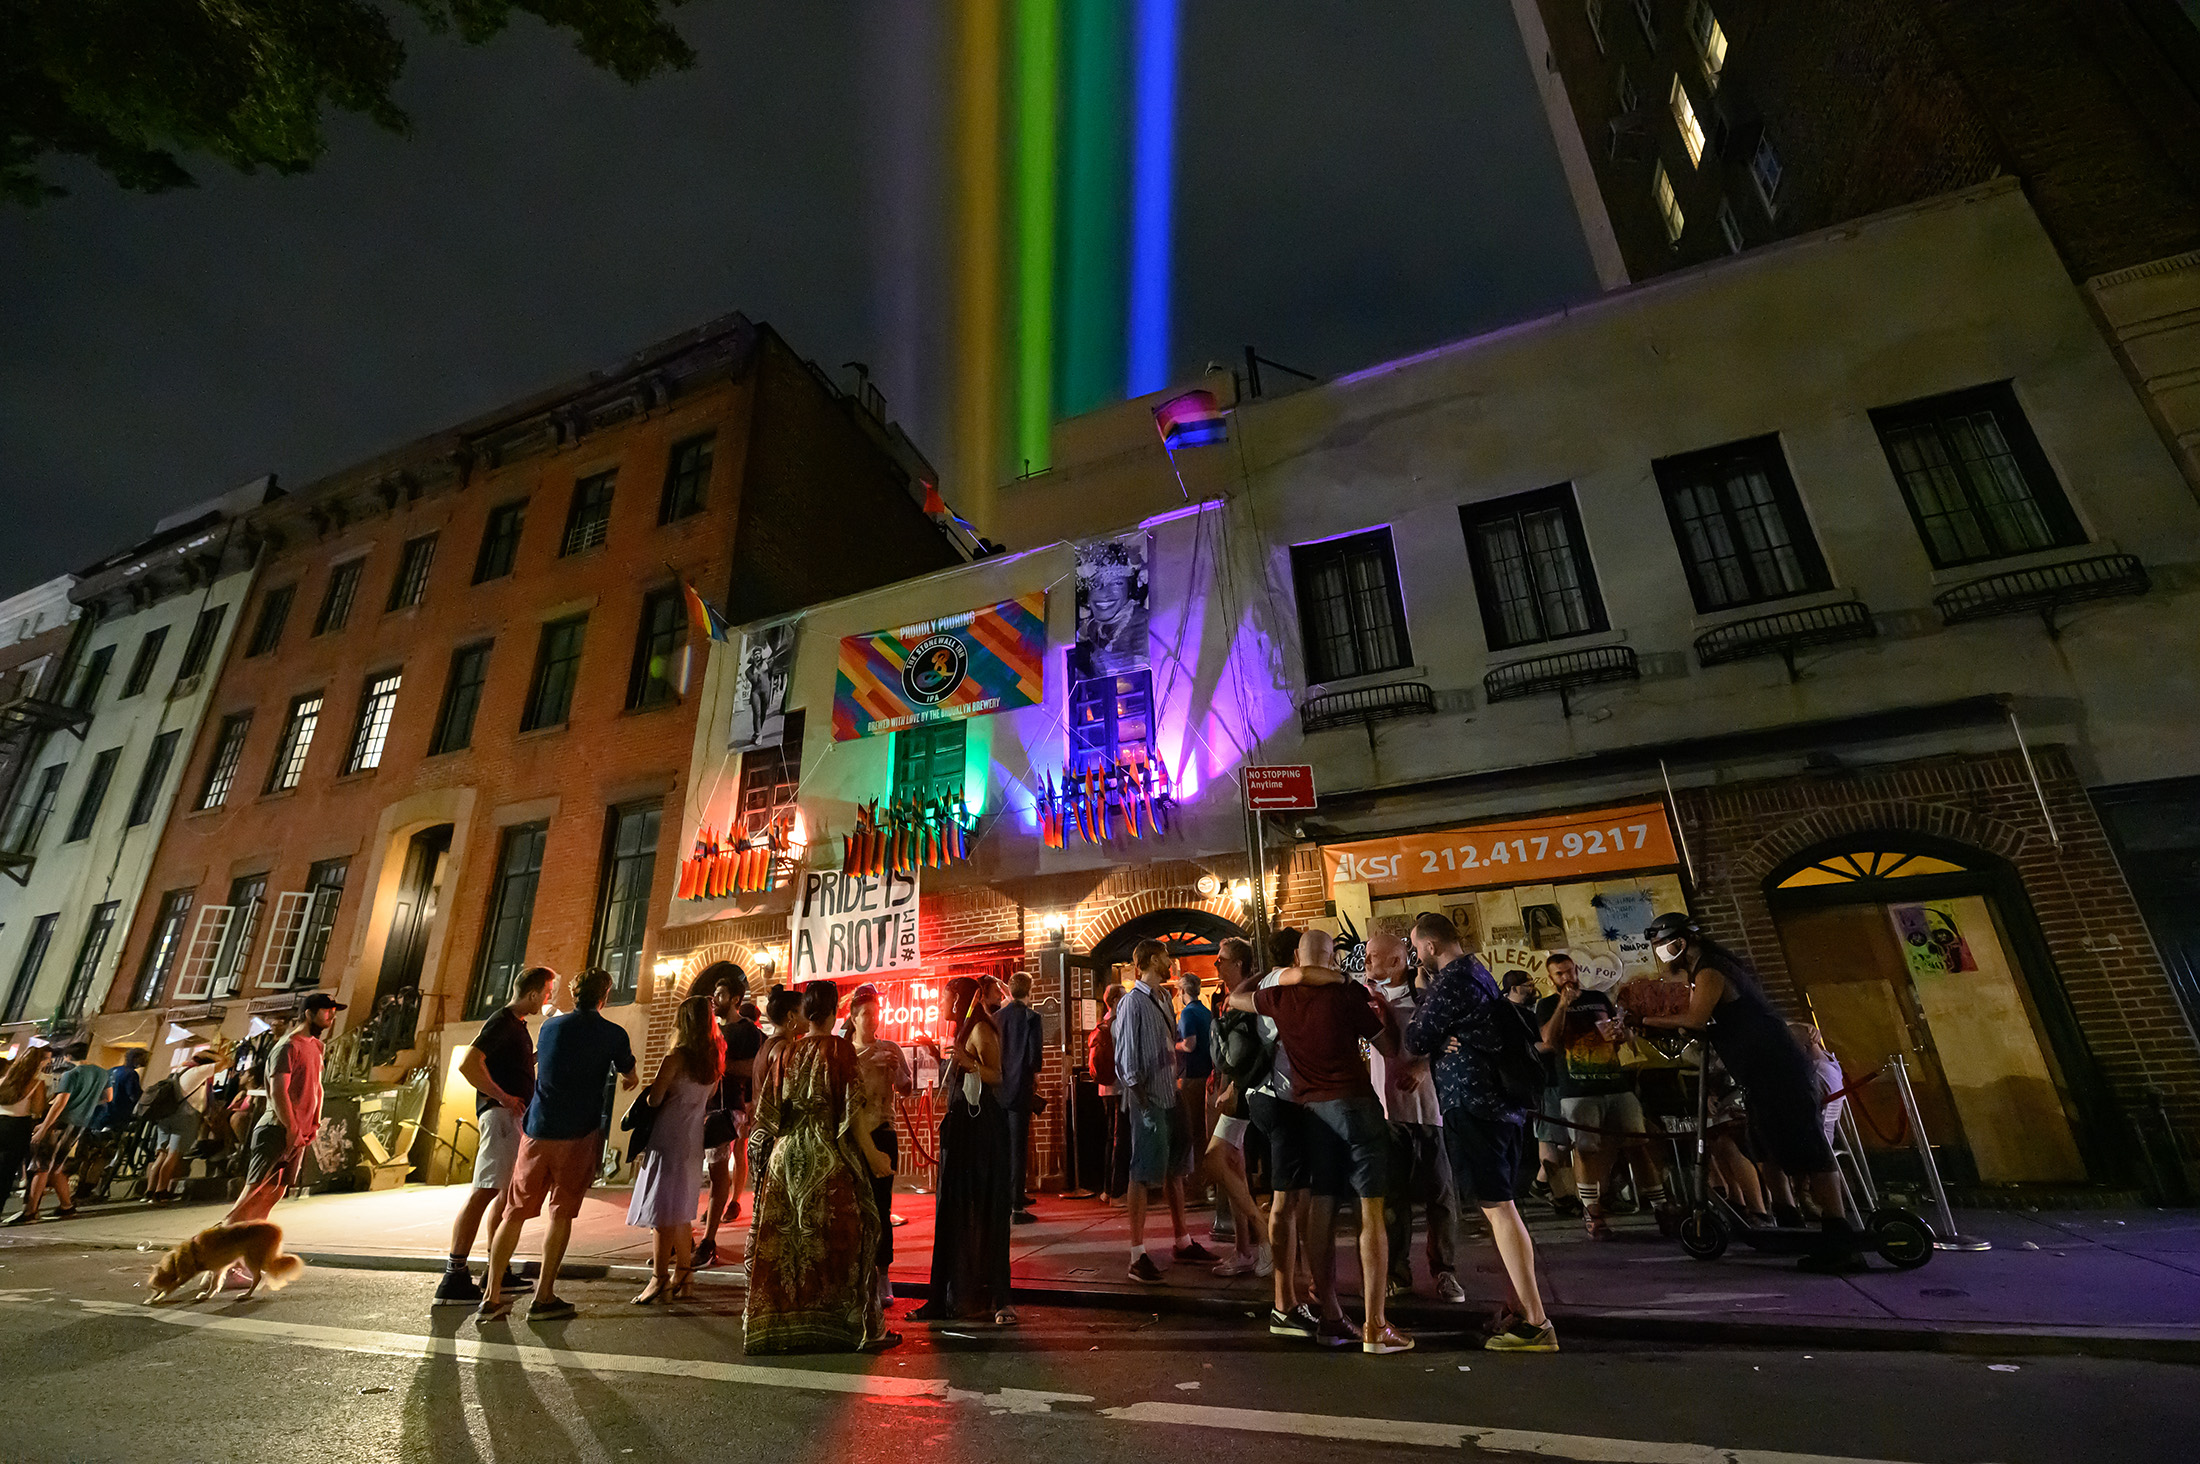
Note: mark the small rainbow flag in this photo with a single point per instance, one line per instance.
(708, 620)
(1191, 419)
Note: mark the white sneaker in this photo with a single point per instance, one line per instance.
(1234, 1265)
(1264, 1262)
(1448, 1287)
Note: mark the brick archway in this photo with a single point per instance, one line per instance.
(692, 962)
(1939, 820)
(1088, 930)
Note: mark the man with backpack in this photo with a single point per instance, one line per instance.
(1242, 1056)
(1489, 1080)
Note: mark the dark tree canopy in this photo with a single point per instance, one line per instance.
(135, 85)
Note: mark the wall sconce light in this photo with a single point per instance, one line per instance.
(1242, 891)
(666, 968)
(767, 961)
(1056, 925)
(1208, 885)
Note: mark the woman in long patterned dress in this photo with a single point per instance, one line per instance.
(970, 1222)
(670, 1177)
(813, 1250)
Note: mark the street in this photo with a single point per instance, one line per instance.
(354, 1364)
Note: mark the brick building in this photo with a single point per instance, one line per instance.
(456, 716)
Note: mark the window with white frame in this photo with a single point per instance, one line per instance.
(290, 754)
(1764, 167)
(1709, 38)
(202, 957)
(1595, 10)
(1669, 206)
(286, 928)
(1684, 117)
(377, 704)
(1731, 228)
(246, 895)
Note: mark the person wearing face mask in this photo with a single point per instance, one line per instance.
(1419, 1170)
(1754, 1042)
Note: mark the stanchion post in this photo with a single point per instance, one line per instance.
(1949, 1238)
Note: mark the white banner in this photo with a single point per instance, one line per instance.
(852, 925)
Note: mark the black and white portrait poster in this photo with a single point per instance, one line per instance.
(1112, 612)
(760, 697)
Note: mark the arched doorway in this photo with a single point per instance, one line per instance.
(1192, 936)
(1907, 944)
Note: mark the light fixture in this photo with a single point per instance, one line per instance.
(1056, 925)
(1241, 891)
(1208, 885)
(666, 968)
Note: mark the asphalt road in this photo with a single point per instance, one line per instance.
(354, 1365)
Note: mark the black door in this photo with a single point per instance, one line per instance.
(414, 913)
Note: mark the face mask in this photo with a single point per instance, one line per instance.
(1669, 950)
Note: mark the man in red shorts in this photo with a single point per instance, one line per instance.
(561, 1141)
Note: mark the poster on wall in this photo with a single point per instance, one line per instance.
(968, 665)
(1113, 610)
(760, 697)
(1932, 941)
(852, 925)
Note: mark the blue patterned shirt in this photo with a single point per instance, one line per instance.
(1464, 1002)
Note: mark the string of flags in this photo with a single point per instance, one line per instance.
(1128, 798)
(908, 834)
(724, 865)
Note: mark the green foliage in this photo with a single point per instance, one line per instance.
(132, 84)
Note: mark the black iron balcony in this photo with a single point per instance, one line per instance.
(1786, 633)
(23, 717)
(2045, 590)
(1367, 705)
(1562, 674)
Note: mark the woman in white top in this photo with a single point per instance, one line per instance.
(179, 1129)
(22, 1103)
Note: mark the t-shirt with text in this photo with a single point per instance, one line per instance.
(1587, 1060)
(1320, 1027)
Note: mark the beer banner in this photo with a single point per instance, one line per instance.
(967, 665)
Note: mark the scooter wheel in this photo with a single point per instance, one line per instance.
(1703, 1233)
(1903, 1240)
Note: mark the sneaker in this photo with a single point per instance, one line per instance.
(1521, 1337)
(1234, 1266)
(1192, 1250)
(706, 1252)
(1264, 1262)
(1388, 1340)
(457, 1288)
(1448, 1287)
(1291, 1324)
(557, 1309)
(514, 1282)
(1023, 1217)
(1336, 1332)
(1568, 1207)
(492, 1311)
(1144, 1271)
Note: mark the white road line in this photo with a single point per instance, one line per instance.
(1581, 1447)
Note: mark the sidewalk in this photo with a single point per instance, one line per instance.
(2113, 1282)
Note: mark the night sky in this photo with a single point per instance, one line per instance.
(1348, 191)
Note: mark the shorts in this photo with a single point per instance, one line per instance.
(1231, 1131)
(1361, 1142)
(1621, 1111)
(53, 1150)
(1283, 1125)
(1557, 1135)
(553, 1174)
(1153, 1143)
(498, 1153)
(179, 1130)
(1787, 1125)
(1485, 1155)
(268, 1156)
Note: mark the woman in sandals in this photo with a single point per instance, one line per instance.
(670, 1178)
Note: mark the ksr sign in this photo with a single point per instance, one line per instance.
(1528, 851)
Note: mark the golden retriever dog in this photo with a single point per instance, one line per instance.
(256, 1244)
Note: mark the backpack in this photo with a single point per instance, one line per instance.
(1100, 1054)
(159, 1101)
(1242, 1052)
(1521, 1071)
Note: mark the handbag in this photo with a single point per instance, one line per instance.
(719, 1128)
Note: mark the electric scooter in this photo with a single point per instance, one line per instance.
(1900, 1238)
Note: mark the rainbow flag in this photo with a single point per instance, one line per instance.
(708, 620)
(1190, 420)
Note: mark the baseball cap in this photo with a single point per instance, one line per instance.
(321, 1001)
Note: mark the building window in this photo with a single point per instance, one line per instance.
(1684, 117)
(1710, 40)
(622, 905)
(1669, 207)
(413, 563)
(1110, 720)
(1595, 9)
(27, 819)
(162, 947)
(511, 916)
(147, 797)
(148, 656)
(90, 677)
(221, 770)
(88, 956)
(1740, 525)
(246, 895)
(267, 631)
(26, 971)
(1623, 91)
(343, 588)
(1352, 615)
(663, 632)
(290, 753)
(200, 647)
(500, 541)
(1730, 228)
(589, 519)
(557, 667)
(454, 723)
(770, 776)
(686, 476)
(324, 892)
(1764, 168)
(1975, 478)
(1531, 568)
(928, 761)
(377, 704)
(1648, 21)
(95, 794)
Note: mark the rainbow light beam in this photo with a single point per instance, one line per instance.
(1038, 69)
(1154, 46)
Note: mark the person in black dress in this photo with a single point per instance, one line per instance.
(971, 1221)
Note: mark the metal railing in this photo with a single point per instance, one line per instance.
(1367, 704)
(1562, 674)
(2045, 590)
(1786, 632)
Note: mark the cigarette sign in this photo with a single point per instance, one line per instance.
(1524, 851)
(1289, 787)
(853, 925)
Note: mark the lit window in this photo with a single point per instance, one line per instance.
(1684, 117)
(1764, 166)
(376, 708)
(221, 771)
(1669, 207)
(771, 776)
(290, 753)
(1731, 227)
(589, 519)
(1710, 39)
(1596, 23)
(1110, 720)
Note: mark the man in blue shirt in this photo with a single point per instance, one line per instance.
(1195, 1063)
(1023, 1053)
(561, 1141)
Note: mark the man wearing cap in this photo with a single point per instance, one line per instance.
(293, 1114)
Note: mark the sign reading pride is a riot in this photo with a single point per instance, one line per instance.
(853, 925)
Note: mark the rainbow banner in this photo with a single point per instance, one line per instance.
(987, 660)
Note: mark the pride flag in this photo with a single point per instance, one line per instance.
(708, 620)
(1190, 420)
